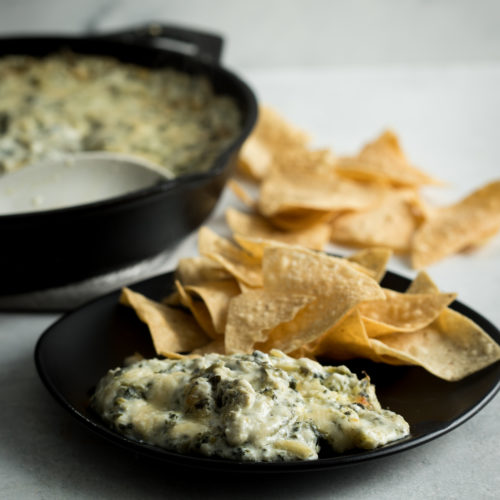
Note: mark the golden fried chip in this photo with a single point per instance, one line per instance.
(243, 266)
(383, 160)
(215, 346)
(216, 295)
(172, 299)
(337, 284)
(303, 162)
(403, 312)
(199, 311)
(253, 314)
(482, 239)
(304, 351)
(297, 219)
(454, 228)
(315, 237)
(422, 283)
(242, 194)
(391, 224)
(318, 191)
(456, 332)
(346, 340)
(256, 246)
(276, 130)
(271, 135)
(374, 260)
(451, 348)
(255, 158)
(194, 270)
(171, 330)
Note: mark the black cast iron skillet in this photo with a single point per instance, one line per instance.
(40, 250)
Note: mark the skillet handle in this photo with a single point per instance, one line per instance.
(198, 44)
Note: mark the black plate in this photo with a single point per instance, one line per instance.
(75, 352)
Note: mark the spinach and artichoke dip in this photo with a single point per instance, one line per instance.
(248, 407)
(65, 103)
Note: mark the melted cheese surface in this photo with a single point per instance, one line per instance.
(65, 103)
(258, 407)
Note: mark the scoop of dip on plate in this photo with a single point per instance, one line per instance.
(251, 407)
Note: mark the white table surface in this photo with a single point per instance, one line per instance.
(448, 119)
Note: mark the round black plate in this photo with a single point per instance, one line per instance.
(75, 352)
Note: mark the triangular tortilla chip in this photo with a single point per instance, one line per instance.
(403, 312)
(216, 295)
(338, 286)
(315, 237)
(253, 314)
(392, 223)
(458, 226)
(374, 260)
(172, 330)
(383, 160)
(241, 265)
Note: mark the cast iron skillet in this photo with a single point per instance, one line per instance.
(74, 353)
(51, 248)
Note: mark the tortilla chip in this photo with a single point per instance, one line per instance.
(315, 237)
(199, 311)
(422, 283)
(403, 312)
(338, 286)
(383, 160)
(304, 351)
(374, 260)
(298, 219)
(172, 330)
(256, 246)
(457, 226)
(318, 191)
(241, 265)
(391, 224)
(346, 340)
(216, 295)
(277, 131)
(303, 162)
(271, 135)
(194, 270)
(242, 194)
(255, 158)
(172, 299)
(215, 346)
(253, 314)
(451, 348)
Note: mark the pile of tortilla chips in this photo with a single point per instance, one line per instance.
(310, 197)
(253, 293)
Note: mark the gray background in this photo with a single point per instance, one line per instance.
(281, 33)
(343, 70)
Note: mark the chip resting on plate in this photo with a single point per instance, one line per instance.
(310, 304)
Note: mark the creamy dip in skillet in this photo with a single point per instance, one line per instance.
(65, 103)
(252, 407)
